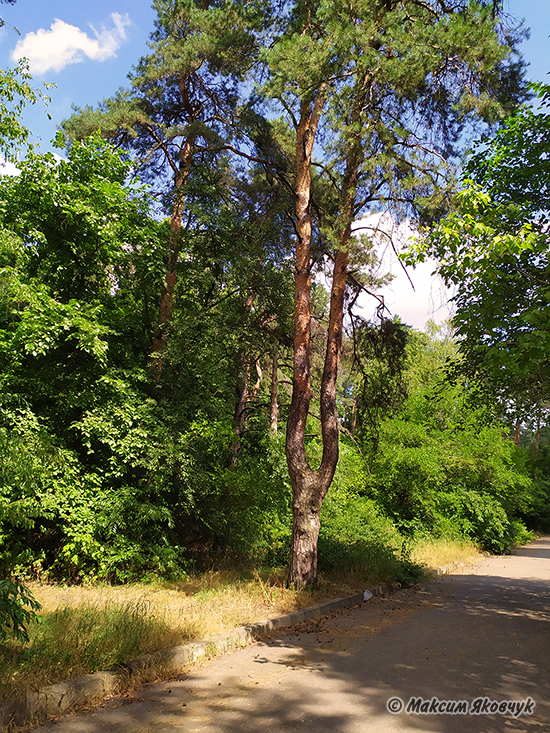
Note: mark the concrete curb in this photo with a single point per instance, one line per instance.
(452, 567)
(55, 700)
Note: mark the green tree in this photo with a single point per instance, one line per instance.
(176, 116)
(494, 250)
(79, 218)
(444, 464)
(17, 606)
(78, 264)
(16, 91)
(381, 102)
(142, 483)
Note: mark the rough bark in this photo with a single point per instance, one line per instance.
(310, 487)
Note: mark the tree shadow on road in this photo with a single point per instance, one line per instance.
(463, 637)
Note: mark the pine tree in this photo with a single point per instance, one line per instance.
(176, 116)
(377, 96)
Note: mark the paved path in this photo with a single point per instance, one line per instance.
(485, 633)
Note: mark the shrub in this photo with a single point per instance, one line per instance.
(17, 609)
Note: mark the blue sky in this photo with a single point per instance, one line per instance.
(87, 49)
(537, 48)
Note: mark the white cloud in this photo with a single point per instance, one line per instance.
(8, 169)
(430, 298)
(66, 44)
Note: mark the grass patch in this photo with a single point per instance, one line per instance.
(76, 640)
(434, 552)
(86, 628)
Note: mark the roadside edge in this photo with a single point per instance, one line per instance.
(55, 700)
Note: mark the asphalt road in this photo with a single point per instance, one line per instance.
(482, 637)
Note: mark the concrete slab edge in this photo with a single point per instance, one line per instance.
(55, 700)
(451, 568)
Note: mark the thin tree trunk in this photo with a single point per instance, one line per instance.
(240, 414)
(181, 174)
(259, 379)
(242, 392)
(517, 434)
(246, 395)
(160, 339)
(353, 428)
(274, 406)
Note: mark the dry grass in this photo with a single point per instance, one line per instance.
(433, 552)
(206, 605)
(86, 628)
(197, 608)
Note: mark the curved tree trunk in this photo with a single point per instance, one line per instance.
(309, 487)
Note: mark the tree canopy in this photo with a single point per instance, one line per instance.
(494, 249)
(181, 286)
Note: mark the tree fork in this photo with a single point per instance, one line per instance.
(309, 487)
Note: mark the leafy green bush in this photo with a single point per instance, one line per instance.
(519, 534)
(355, 536)
(351, 544)
(17, 609)
(444, 465)
(465, 482)
(450, 483)
(247, 508)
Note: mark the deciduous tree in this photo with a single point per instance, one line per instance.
(494, 250)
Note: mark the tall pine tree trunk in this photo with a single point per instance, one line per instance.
(310, 487)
